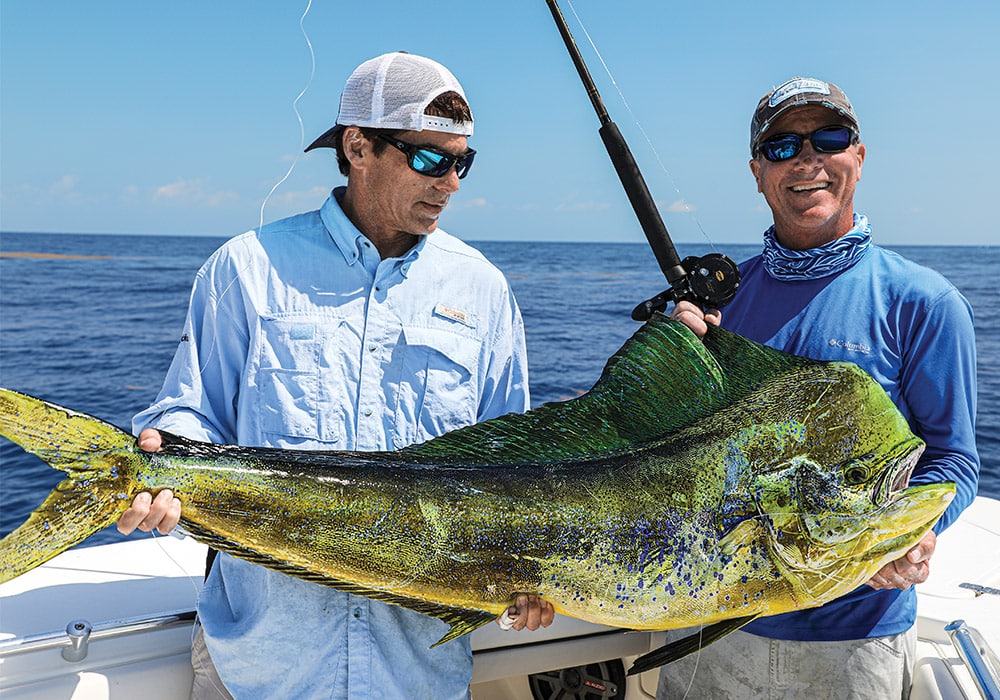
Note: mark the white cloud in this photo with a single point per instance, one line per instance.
(179, 189)
(193, 192)
(214, 199)
(66, 185)
(474, 203)
(300, 199)
(681, 207)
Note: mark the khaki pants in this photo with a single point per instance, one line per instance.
(207, 684)
(742, 665)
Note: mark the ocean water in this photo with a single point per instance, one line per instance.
(91, 322)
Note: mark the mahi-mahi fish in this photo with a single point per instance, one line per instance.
(697, 483)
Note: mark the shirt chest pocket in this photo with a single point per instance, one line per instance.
(299, 389)
(439, 382)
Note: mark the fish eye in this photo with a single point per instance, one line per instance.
(856, 474)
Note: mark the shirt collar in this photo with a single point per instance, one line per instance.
(343, 232)
(349, 239)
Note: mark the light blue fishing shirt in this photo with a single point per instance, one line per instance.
(300, 336)
(913, 332)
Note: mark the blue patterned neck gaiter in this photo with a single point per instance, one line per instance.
(815, 263)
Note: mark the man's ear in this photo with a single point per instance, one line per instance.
(354, 144)
(755, 169)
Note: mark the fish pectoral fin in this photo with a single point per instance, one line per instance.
(746, 534)
(462, 621)
(687, 645)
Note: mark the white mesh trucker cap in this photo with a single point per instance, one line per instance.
(392, 91)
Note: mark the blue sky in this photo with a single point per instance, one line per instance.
(176, 117)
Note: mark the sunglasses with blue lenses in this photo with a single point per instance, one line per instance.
(432, 162)
(829, 139)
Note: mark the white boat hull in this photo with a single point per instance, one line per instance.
(138, 595)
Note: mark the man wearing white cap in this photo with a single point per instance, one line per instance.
(360, 326)
(822, 289)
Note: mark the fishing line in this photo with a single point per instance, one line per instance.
(295, 108)
(260, 223)
(711, 280)
(210, 353)
(191, 579)
(688, 209)
(697, 660)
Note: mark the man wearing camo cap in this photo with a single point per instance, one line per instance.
(821, 288)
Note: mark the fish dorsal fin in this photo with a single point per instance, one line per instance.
(663, 379)
(748, 364)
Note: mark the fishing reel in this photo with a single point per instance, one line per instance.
(710, 282)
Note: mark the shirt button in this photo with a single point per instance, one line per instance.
(372, 346)
(357, 613)
(368, 411)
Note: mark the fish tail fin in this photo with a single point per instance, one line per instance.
(99, 460)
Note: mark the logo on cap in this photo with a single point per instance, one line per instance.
(797, 86)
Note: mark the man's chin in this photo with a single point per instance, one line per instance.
(425, 227)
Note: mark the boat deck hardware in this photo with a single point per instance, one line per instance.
(969, 650)
(76, 638)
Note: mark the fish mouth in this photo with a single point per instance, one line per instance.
(893, 481)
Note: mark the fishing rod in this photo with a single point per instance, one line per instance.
(709, 281)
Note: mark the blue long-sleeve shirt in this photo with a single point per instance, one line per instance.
(912, 331)
(301, 336)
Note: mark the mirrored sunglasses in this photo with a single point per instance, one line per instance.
(829, 139)
(430, 161)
